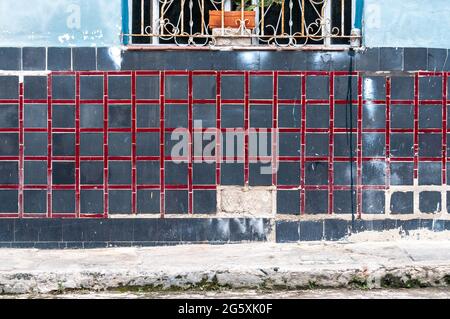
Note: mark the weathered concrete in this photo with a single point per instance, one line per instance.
(403, 263)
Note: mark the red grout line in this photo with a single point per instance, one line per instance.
(77, 146)
(275, 130)
(218, 126)
(246, 125)
(388, 133)
(444, 129)
(303, 146)
(416, 125)
(162, 141)
(331, 147)
(49, 146)
(359, 148)
(190, 144)
(21, 150)
(105, 146)
(133, 145)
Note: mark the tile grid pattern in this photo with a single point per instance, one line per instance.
(299, 176)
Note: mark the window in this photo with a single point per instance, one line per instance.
(283, 23)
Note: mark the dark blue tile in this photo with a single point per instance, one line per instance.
(288, 173)
(247, 60)
(232, 87)
(9, 173)
(91, 202)
(368, 60)
(9, 116)
(311, 230)
(176, 202)
(35, 115)
(176, 87)
(318, 87)
(63, 116)
(430, 173)
(63, 87)
(119, 144)
(119, 87)
(63, 144)
(317, 144)
(91, 144)
(373, 202)
(147, 87)
(204, 173)
(316, 173)
(318, 61)
(287, 231)
(35, 201)
(261, 87)
(10, 58)
(122, 229)
(9, 144)
(176, 115)
(148, 201)
(218, 230)
(343, 61)
(316, 202)
(36, 144)
(119, 202)
(6, 230)
(232, 116)
(147, 144)
(204, 87)
(35, 87)
(335, 229)
(430, 88)
(91, 87)
(391, 59)
(175, 173)
(148, 172)
(109, 59)
(373, 172)
(9, 87)
(416, 59)
(72, 230)
(34, 58)
(63, 201)
(95, 230)
(260, 174)
(344, 202)
(430, 202)
(35, 172)
(374, 116)
(402, 173)
(438, 60)
(148, 116)
(205, 201)
(119, 172)
(402, 203)
(288, 202)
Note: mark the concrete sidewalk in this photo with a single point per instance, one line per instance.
(403, 263)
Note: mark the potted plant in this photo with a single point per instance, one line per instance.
(232, 19)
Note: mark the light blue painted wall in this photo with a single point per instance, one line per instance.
(387, 23)
(60, 22)
(407, 23)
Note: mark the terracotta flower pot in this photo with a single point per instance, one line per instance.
(232, 19)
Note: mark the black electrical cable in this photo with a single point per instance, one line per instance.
(349, 130)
